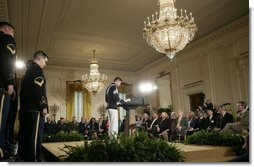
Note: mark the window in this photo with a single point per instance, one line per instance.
(78, 102)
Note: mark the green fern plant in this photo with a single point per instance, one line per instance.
(136, 148)
(218, 139)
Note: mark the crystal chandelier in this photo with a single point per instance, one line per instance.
(95, 81)
(169, 33)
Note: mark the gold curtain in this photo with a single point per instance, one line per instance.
(70, 92)
(71, 87)
(86, 104)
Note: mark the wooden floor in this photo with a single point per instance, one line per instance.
(198, 153)
(192, 153)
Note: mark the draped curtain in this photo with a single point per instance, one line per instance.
(71, 87)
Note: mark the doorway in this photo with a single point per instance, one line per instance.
(196, 100)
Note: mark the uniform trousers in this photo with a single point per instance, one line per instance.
(10, 139)
(113, 123)
(31, 132)
(4, 110)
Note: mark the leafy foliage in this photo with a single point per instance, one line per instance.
(216, 138)
(136, 148)
(60, 137)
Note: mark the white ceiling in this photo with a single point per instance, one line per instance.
(68, 30)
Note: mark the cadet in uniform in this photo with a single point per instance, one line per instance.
(7, 79)
(112, 98)
(33, 108)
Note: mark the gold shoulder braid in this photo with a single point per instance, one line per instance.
(11, 48)
(39, 81)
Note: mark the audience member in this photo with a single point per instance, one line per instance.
(208, 105)
(152, 129)
(49, 126)
(224, 118)
(203, 121)
(173, 122)
(242, 124)
(74, 125)
(181, 126)
(101, 128)
(146, 121)
(192, 123)
(163, 127)
(212, 120)
(62, 126)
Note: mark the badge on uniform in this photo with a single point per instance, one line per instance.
(43, 100)
(11, 76)
(39, 81)
(11, 48)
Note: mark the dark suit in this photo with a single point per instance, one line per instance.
(193, 123)
(146, 123)
(164, 125)
(212, 122)
(203, 124)
(49, 128)
(238, 127)
(101, 129)
(223, 120)
(184, 126)
(153, 126)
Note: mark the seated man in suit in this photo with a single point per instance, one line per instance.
(181, 125)
(203, 121)
(212, 120)
(153, 126)
(224, 118)
(242, 124)
(192, 123)
(146, 121)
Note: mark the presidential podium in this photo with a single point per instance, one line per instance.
(130, 108)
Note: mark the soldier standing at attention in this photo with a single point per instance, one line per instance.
(112, 98)
(33, 108)
(7, 78)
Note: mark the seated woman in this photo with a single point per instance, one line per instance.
(192, 123)
(163, 127)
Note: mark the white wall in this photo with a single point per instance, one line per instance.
(217, 65)
(56, 78)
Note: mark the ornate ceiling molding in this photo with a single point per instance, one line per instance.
(85, 70)
(4, 11)
(228, 28)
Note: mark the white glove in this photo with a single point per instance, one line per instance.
(126, 100)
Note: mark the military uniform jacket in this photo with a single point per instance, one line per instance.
(112, 97)
(7, 60)
(33, 89)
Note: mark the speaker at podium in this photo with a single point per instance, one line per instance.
(130, 107)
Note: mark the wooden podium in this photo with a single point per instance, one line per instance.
(130, 108)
